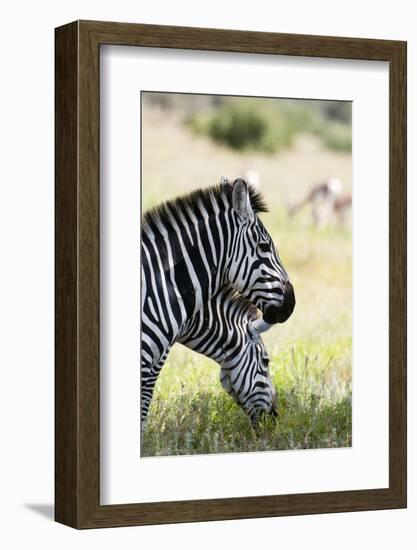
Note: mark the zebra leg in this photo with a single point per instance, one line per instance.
(149, 377)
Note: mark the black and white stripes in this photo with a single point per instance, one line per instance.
(227, 330)
(193, 247)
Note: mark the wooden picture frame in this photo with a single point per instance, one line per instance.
(77, 375)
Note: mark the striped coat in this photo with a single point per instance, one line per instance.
(191, 248)
(227, 330)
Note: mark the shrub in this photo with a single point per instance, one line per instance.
(239, 126)
(244, 125)
(336, 136)
(268, 125)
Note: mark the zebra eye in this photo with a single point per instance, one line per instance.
(264, 246)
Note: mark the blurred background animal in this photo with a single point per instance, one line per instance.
(326, 202)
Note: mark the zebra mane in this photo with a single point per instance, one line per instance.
(163, 212)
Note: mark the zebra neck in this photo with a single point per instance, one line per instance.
(210, 331)
(192, 251)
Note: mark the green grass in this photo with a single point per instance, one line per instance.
(191, 413)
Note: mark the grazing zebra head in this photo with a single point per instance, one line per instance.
(255, 269)
(228, 331)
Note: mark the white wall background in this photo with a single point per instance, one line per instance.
(26, 272)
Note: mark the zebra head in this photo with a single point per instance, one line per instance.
(249, 381)
(255, 269)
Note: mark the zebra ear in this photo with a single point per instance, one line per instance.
(241, 199)
(258, 326)
(224, 180)
(253, 333)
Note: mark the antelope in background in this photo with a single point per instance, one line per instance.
(326, 202)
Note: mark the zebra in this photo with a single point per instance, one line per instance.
(191, 248)
(227, 330)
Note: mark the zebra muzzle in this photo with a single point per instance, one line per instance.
(273, 412)
(279, 314)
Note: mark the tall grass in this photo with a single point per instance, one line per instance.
(191, 414)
